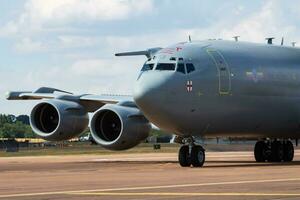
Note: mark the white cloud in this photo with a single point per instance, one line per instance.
(262, 23)
(266, 22)
(93, 68)
(39, 14)
(27, 45)
(114, 75)
(239, 10)
(99, 68)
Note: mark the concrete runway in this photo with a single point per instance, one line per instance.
(226, 175)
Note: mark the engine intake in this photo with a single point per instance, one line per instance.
(117, 127)
(109, 127)
(57, 120)
(46, 117)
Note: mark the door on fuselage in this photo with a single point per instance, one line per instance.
(223, 71)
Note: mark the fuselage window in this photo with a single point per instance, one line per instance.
(190, 67)
(166, 66)
(147, 67)
(180, 68)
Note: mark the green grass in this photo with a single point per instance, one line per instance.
(85, 149)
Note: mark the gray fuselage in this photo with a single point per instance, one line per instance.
(237, 89)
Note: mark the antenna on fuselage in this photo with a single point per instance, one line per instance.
(270, 40)
(190, 39)
(282, 41)
(236, 38)
(294, 44)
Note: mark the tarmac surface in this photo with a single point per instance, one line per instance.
(226, 175)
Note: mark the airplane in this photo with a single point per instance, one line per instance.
(206, 89)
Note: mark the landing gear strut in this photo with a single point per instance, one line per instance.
(274, 151)
(191, 155)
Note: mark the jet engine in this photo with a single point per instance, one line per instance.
(57, 120)
(118, 127)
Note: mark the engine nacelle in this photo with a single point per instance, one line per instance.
(118, 127)
(57, 120)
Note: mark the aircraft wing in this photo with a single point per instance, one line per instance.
(89, 101)
(107, 98)
(41, 93)
(28, 96)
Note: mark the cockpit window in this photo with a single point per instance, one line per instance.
(147, 67)
(180, 68)
(190, 67)
(166, 66)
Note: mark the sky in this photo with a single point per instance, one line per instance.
(70, 44)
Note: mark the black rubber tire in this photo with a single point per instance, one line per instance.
(277, 152)
(184, 156)
(197, 156)
(259, 151)
(288, 149)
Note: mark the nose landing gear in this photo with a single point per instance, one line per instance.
(191, 154)
(274, 151)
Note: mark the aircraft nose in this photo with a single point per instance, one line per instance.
(143, 93)
(149, 89)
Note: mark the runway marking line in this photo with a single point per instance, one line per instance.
(182, 194)
(111, 190)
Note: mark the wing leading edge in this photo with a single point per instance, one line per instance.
(87, 100)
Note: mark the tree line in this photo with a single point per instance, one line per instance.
(15, 127)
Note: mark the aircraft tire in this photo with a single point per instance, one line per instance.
(277, 151)
(288, 149)
(260, 151)
(197, 156)
(184, 156)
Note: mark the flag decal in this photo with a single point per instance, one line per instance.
(189, 86)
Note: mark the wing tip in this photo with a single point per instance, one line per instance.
(13, 95)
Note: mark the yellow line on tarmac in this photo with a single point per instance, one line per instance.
(145, 187)
(182, 194)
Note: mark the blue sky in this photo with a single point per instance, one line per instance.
(70, 44)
